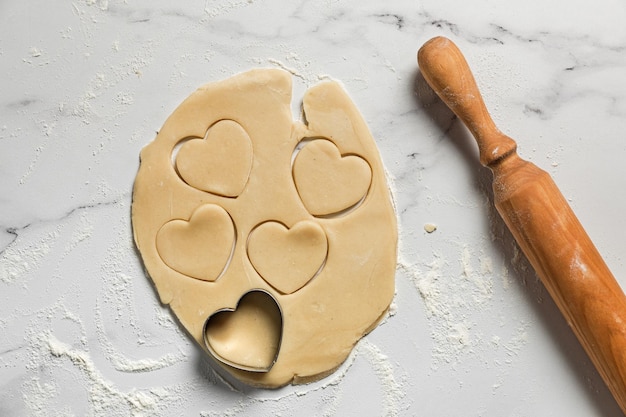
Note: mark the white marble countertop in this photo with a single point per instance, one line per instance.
(472, 332)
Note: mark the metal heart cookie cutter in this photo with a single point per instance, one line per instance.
(248, 336)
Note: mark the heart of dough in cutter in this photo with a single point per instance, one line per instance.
(272, 240)
(249, 336)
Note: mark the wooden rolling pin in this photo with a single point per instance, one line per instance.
(541, 221)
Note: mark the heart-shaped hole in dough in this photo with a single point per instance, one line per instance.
(219, 163)
(200, 247)
(247, 337)
(329, 183)
(288, 259)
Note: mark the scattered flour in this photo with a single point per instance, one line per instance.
(290, 70)
(103, 5)
(482, 282)
(47, 362)
(19, 258)
(123, 363)
(81, 233)
(224, 8)
(104, 396)
(35, 52)
(456, 295)
(33, 163)
(393, 392)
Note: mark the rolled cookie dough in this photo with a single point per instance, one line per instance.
(272, 240)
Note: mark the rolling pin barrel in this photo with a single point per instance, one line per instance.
(542, 222)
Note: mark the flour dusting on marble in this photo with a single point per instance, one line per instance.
(19, 259)
(55, 363)
(104, 396)
(393, 391)
(456, 293)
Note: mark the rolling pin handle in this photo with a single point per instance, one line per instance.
(445, 69)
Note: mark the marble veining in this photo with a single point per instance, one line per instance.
(86, 84)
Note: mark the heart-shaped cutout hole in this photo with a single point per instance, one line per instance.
(219, 163)
(328, 182)
(288, 258)
(247, 337)
(201, 247)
